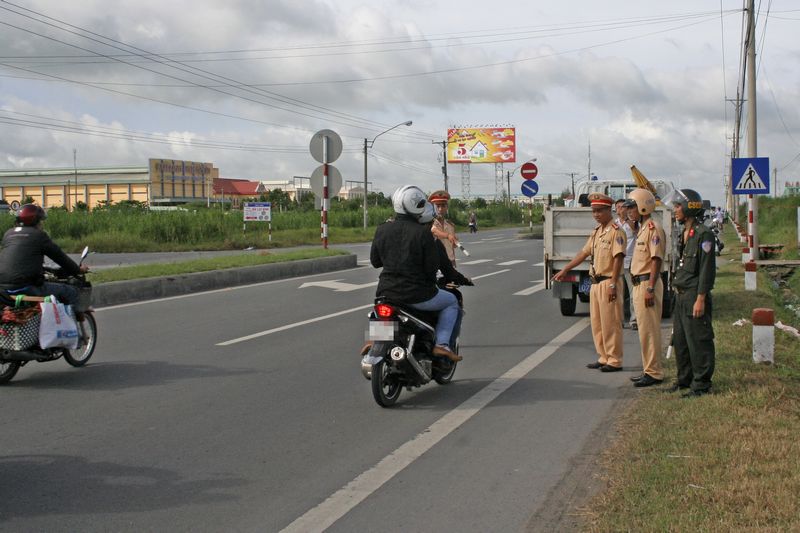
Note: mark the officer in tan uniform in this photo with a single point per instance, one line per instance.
(443, 229)
(648, 289)
(606, 247)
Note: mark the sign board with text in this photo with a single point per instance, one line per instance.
(258, 211)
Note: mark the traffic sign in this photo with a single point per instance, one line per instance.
(258, 211)
(334, 145)
(530, 188)
(529, 171)
(750, 175)
(334, 181)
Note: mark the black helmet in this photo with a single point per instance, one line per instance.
(690, 201)
(30, 215)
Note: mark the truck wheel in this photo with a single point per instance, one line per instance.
(583, 297)
(568, 305)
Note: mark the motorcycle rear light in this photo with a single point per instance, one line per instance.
(573, 278)
(384, 311)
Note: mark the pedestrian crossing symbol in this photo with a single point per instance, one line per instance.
(750, 175)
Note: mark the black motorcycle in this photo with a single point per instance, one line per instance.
(401, 354)
(19, 328)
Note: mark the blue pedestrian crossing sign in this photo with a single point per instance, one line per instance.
(750, 175)
(530, 188)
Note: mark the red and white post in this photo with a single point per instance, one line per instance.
(745, 255)
(751, 229)
(763, 335)
(325, 202)
(750, 279)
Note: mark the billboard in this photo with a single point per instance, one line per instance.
(481, 145)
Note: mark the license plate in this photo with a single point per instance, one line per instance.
(586, 285)
(382, 331)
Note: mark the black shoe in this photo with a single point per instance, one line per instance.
(695, 393)
(648, 380)
(676, 387)
(609, 368)
(637, 378)
(594, 366)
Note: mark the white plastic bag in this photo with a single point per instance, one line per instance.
(58, 328)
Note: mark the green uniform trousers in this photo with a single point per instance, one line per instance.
(693, 341)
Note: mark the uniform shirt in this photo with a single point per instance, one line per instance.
(650, 243)
(450, 229)
(627, 227)
(697, 267)
(604, 244)
(22, 254)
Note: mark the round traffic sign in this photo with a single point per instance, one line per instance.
(334, 181)
(530, 188)
(14, 205)
(334, 145)
(529, 171)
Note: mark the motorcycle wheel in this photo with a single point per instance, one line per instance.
(443, 378)
(81, 356)
(8, 371)
(385, 389)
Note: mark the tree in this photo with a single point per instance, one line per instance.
(479, 203)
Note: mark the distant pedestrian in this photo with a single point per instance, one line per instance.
(648, 290)
(606, 247)
(693, 334)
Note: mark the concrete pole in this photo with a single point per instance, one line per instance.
(752, 129)
(365, 184)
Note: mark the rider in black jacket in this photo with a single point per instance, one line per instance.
(406, 250)
(22, 254)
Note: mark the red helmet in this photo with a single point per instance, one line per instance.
(439, 197)
(30, 215)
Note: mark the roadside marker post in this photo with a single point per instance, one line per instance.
(745, 255)
(750, 276)
(763, 335)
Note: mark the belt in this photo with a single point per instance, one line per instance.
(640, 278)
(598, 279)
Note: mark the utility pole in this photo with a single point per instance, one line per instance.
(444, 161)
(75, 167)
(508, 180)
(752, 130)
(572, 179)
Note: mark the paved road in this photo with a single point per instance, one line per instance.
(244, 409)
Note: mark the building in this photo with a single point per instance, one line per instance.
(162, 181)
(235, 190)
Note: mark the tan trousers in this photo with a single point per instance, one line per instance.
(606, 320)
(649, 321)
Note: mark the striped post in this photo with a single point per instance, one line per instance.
(751, 227)
(745, 255)
(750, 276)
(763, 335)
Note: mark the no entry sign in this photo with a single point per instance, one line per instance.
(528, 170)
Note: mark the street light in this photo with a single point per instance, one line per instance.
(368, 144)
(510, 173)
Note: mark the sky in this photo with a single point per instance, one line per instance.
(245, 84)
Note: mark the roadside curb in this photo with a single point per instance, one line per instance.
(121, 292)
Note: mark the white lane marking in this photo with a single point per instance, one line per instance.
(475, 262)
(530, 290)
(338, 285)
(225, 289)
(539, 264)
(513, 262)
(342, 501)
(295, 325)
(492, 273)
(492, 238)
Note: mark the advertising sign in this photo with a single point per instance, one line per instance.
(481, 145)
(258, 212)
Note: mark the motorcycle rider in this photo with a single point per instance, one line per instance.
(407, 251)
(22, 254)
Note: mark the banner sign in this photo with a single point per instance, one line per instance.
(258, 212)
(481, 145)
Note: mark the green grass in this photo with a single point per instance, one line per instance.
(729, 461)
(205, 265)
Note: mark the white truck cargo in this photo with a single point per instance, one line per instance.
(565, 232)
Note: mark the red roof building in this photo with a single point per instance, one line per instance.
(233, 190)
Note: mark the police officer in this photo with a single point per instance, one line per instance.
(443, 229)
(693, 335)
(606, 247)
(648, 289)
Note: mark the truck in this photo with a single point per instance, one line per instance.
(566, 230)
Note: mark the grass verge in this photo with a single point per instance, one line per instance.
(205, 265)
(729, 461)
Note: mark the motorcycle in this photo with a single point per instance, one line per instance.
(19, 329)
(718, 244)
(401, 354)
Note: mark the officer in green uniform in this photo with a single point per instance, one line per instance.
(693, 335)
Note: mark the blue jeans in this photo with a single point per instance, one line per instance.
(64, 293)
(449, 315)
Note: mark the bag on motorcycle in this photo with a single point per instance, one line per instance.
(58, 327)
(19, 329)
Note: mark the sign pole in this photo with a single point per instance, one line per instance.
(325, 192)
(530, 214)
(752, 131)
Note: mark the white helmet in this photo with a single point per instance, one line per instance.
(409, 200)
(428, 214)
